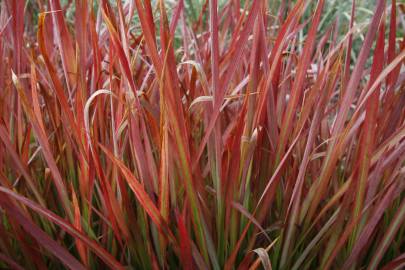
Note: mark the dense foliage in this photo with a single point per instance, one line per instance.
(178, 134)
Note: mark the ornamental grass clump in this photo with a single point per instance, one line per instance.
(202, 135)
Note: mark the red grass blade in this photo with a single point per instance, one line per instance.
(142, 196)
(46, 241)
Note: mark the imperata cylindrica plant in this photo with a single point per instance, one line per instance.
(184, 134)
